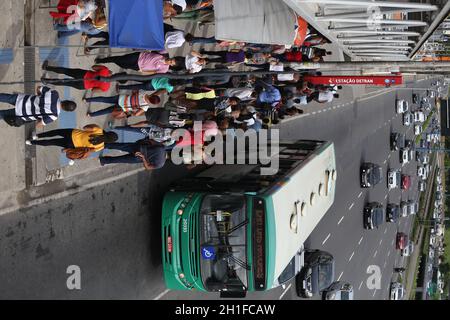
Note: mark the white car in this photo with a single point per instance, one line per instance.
(419, 116)
(408, 250)
(420, 171)
(418, 129)
(402, 106)
(397, 291)
(404, 156)
(438, 179)
(393, 179)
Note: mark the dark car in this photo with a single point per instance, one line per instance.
(401, 240)
(409, 144)
(415, 98)
(392, 212)
(397, 140)
(316, 275)
(373, 215)
(371, 174)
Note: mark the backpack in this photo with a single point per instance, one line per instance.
(77, 153)
(14, 121)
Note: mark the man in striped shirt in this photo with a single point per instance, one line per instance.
(43, 107)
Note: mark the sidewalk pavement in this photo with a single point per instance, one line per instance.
(48, 164)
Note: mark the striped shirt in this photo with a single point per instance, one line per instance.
(45, 107)
(133, 101)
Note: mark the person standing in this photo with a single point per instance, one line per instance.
(156, 84)
(151, 154)
(134, 104)
(91, 136)
(43, 107)
(82, 79)
(146, 62)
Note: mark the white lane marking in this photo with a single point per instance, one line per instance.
(385, 230)
(374, 293)
(375, 254)
(385, 263)
(381, 241)
(385, 197)
(360, 194)
(389, 253)
(328, 236)
(285, 291)
(341, 220)
(360, 240)
(159, 296)
(340, 276)
(351, 206)
(384, 161)
(360, 285)
(389, 156)
(314, 112)
(353, 253)
(320, 111)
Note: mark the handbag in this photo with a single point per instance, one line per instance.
(14, 121)
(77, 153)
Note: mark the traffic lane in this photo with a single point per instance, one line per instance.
(115, 241)
(338, 115)
(354, 222)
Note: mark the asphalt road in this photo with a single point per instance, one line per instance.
(113, 232)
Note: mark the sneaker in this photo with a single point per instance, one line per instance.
(28, 143)
(88, 115)
(71, 162)
(34, 136)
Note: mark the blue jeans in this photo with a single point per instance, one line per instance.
(102, 112)
(109, 100)
(144, 130)
(130, 148)
(9, 99)
(69, 30)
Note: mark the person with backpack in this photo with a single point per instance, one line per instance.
(43, 108)
(77, 144)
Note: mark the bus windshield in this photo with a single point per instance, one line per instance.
(223, 236)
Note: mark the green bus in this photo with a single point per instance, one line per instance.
(230, 229)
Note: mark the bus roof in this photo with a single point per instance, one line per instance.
(300, 203)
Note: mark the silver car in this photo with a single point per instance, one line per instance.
(338, 291)
(397, 291)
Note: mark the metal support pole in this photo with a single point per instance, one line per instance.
(377, 41)
(380, 51)
(386, 4)
(381, 32)
(415, 23)
(366, 13)
(370, 46)
(369, 37)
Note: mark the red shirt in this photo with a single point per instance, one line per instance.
(96, 84)
(293, 56)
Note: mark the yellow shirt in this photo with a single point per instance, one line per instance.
(80, 138)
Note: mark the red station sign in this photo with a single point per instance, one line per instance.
(356, 80)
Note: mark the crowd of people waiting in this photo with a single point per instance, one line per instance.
(220, 101)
